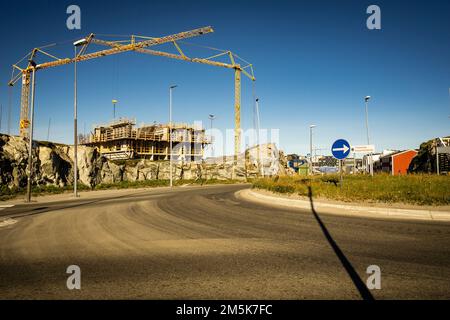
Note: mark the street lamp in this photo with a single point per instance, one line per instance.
(78, 43)
(31, 124)
(211, 119)
(311, 127)
(114, 102)
(366, 99)
(170, 132)
(258, 136)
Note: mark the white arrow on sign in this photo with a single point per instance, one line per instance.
(344, 149)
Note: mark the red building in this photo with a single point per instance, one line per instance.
(396, 163)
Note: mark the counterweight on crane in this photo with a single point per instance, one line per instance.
(138, 44)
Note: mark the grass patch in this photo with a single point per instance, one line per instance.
(133, 184)
(159, 183)
(418, 189)
(10, 193)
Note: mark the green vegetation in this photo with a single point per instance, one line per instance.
(159, 183)
(10, 193)
(129, 162)
(133, 184)
(419, 189)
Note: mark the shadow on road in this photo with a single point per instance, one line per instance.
(359, 284)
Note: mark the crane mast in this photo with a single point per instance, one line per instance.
(24, 103)
(135, 43)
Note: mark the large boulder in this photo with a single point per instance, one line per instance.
(53, 167)
(13, 161)
(272, 160)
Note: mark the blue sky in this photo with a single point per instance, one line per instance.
(314, 62)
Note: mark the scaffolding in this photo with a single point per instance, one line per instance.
(121, 140)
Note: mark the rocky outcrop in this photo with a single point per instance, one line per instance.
(273, 161)
(53, 165)
(425, 160)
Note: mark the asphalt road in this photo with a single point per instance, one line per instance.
(204, 243)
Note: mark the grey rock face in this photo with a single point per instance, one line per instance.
(53, 165)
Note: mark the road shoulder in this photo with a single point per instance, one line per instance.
(96, 194)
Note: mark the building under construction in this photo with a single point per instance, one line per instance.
(122, 140)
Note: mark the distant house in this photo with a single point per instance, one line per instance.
(396, 163)
(376, 160)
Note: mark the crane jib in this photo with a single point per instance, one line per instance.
(120, 46)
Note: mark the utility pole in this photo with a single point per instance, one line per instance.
(170, 133)
(1, 116)
(311, 127)
(366, 99)
(30, 147)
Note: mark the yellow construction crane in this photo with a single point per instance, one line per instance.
(134, 43)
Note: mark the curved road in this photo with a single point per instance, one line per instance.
(204, 243)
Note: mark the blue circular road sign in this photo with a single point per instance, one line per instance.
(340, 149)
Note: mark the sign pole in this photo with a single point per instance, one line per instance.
(340, 150)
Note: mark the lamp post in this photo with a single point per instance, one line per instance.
(30, 148)
(114, 102)
(170, 132)
(258, 133)
(9, 110)
(48, 128)
(211, 119)
(311, 127)
(76, 44)
(366, 99)
(75, 128)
